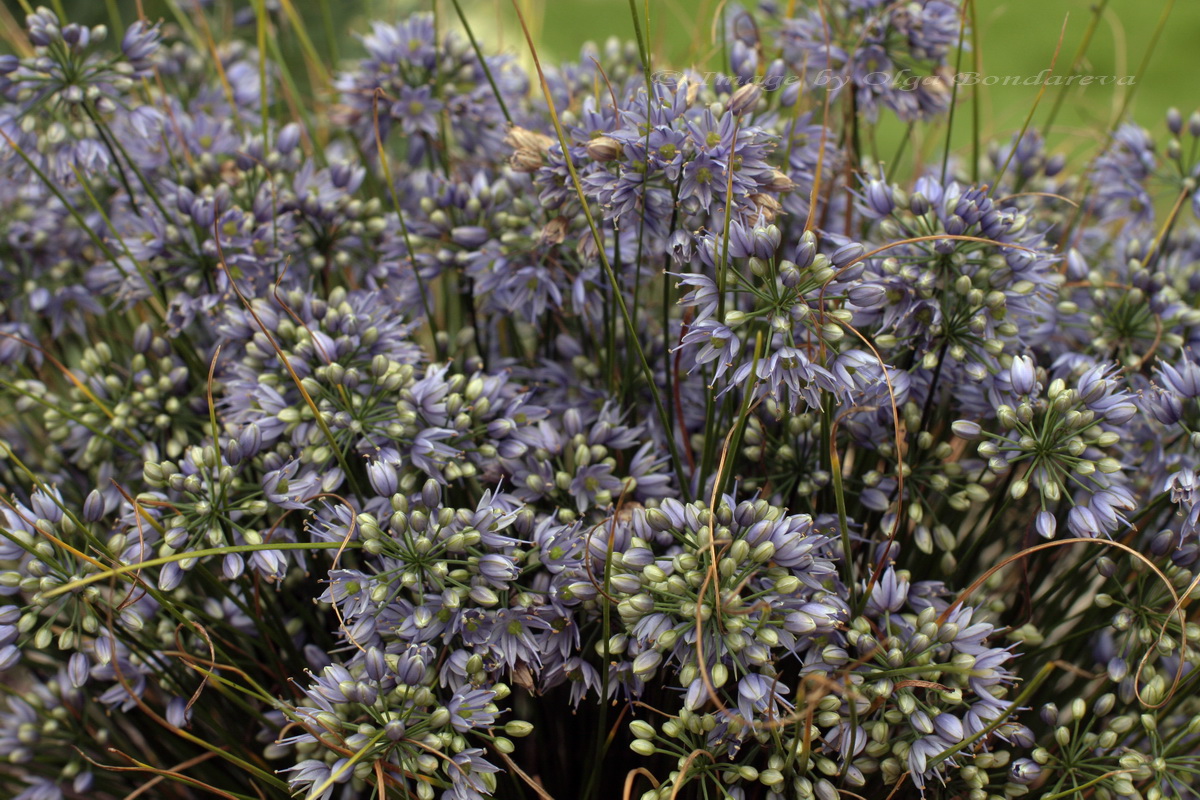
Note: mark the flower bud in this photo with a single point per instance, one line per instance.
(1021, 375)
(604, 149)
(642, 730)
(965, 429)
(642, 747)
(744, 98)
(518, 728)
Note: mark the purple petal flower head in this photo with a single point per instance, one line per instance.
(527, 290)
(1120, 174)
(10, 656)
(788, 377)
(471, 708)
(411, 41)
(847, 253)
(470, 777)
(878, 199)
(717, 342)
(1182, 379)
(431, 454)
(1165, 406)
(1021, 375)
(966, 429)
(312, 774)
(703, 297)
(417, 110)
(680, 246)
(40, 789)
(1100, 391)
(760, 698)
(44, 27)
(499, 570)
(890, 592)
(383, 478)
(703, 180)
(948, 727)
(140, 44)
(515, 636)
(79, 669)
(178, 713)
(932, 31)
(918, 758)
(594, 484)
(1025, 771)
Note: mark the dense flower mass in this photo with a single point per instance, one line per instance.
(422, 426)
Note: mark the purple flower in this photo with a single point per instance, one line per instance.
(1025, 771)
(430, 453)
(1021, 375)
(594, 483)
(918, 757)
(760, 698)
(703, 178)
(312, 773)
(703, 296)
(717, 342)
(890, 592)
(465, 780)
(140, 44)
(417, 110)
(469, 709)
(499, 569)
(788, 377)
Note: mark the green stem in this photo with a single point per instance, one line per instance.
(125, 569)
(408, 246)
(260, 15)
(1020, 700)
(839, 497)
(331, 38)
(962, 38)
(736, 443)
(482, 61)
(1097, 12)
(608, 270)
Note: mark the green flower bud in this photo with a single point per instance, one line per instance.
(642, 729)
(518, 728)
(642, 747)
(770, 777)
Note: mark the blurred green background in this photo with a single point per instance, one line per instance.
(1017, 38)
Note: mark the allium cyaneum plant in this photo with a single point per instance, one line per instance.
(451, 429)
